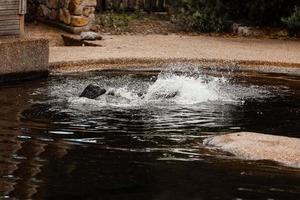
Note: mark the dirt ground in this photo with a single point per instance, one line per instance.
(169, 46)
(39, 30)
(184, 47)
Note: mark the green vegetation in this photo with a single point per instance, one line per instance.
(213, 15)
(112, 19)
(216, 15)
(293, 22)
(201, 15)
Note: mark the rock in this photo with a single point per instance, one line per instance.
(87, 11)
(92, 17)
(95, 27)
(64, 16)
(77, 11)
(53, 14)
(89, 35)
(258, 146)
(64, 3)
(92, 92)
(52, 3)
(45, 11)
(40, 12)
(89, 3)
(235, 28)
(245, 30)
(79, 21)
(75, 6)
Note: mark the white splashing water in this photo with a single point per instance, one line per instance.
(168, 88)
(184, 88)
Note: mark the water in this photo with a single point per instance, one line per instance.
(145, 142)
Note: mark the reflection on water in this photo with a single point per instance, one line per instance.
(54, 145)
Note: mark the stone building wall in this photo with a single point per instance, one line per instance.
(72, 15)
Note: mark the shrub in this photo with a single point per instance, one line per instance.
(293, 22)
(211, 15)
(201, 15)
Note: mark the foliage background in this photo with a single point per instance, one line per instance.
(216, 15)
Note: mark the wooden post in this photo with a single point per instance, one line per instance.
(22, 12)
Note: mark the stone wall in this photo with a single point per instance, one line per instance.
(72, 15)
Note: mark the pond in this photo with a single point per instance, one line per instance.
(145, 140)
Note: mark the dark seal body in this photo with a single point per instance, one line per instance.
(92, 91)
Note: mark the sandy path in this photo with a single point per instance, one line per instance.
(182, 47)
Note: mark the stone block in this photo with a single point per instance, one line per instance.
(89, 3)
(64, 16)
(76, 10)
(75, 7)
(44, 10)
(64, 3)
(78, 21)
(20, 56)
(53, 14)
(87, 11)
(52, 3)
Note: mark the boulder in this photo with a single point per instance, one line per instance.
(246, 31)
(92, 17)
(89, 3)
(52, 3)
(87, 11)
(64, 3)
(76, 11)
(44, 11)
(258, 146)
(79, 21)
(92, 92)
(75, 6)
(53, 14)
(89, 35)
(64, 16)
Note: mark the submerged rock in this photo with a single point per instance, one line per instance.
(92, 92)
(257, 146)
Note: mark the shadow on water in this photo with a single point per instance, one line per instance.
(54, 145)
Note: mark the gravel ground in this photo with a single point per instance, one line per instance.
(171, 47)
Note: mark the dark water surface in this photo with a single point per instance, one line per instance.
(54, 145)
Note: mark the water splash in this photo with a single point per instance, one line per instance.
(174, 86)
(185, 89)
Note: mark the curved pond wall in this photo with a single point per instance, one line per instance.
(23, 58)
